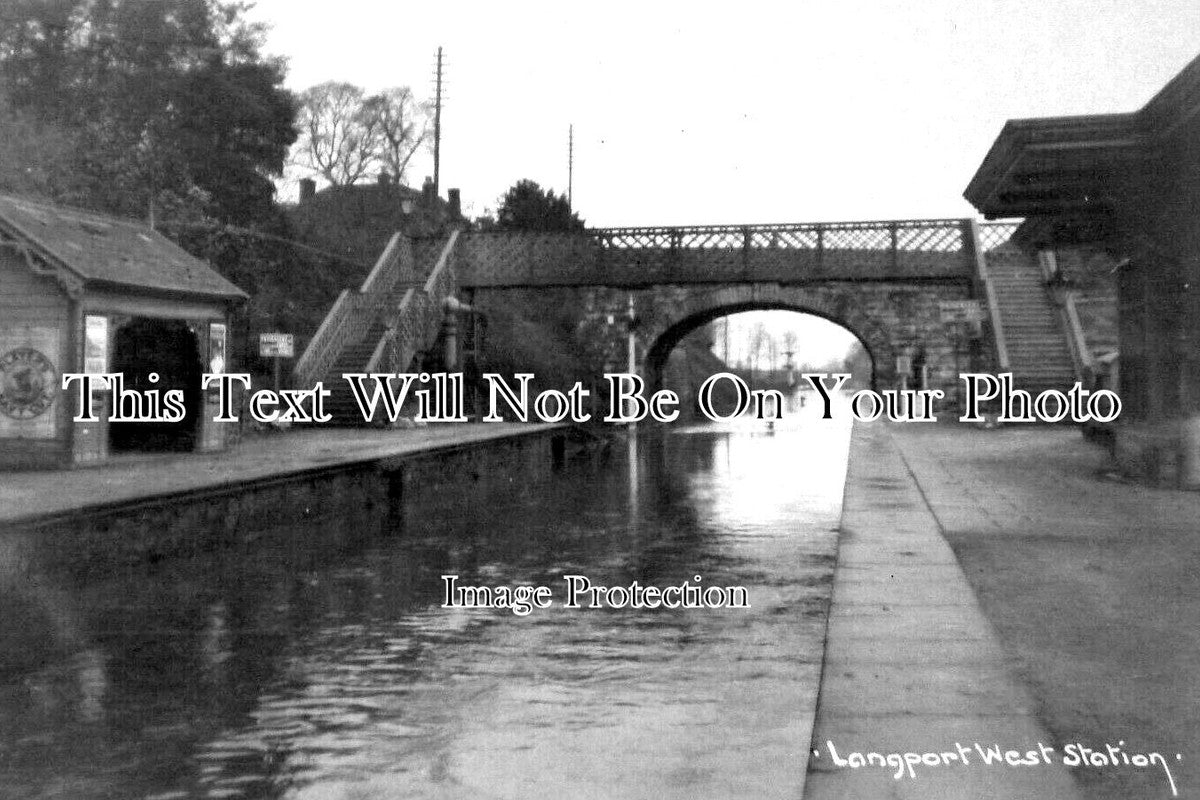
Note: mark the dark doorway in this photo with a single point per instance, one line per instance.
(169, 348)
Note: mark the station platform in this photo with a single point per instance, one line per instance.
(1001, 590)
(31, 496)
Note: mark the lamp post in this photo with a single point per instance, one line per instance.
(904, 366)
(631, 322)
(790, 380)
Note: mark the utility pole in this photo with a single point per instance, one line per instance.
(437, 129)
(570, 166)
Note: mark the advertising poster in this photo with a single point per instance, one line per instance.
(95, 344)
(28, 377)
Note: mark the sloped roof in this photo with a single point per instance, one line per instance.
(358, 220)
(1075, 168)
(110, 251)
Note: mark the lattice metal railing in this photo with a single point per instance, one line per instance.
(327, 343)
(513, 257)
(993, 235)
(995, 245)
(984, 281)
(714, 252)
(799, 239)
(938, 235)
(418, 317)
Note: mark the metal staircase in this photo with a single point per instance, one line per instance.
(381, 327)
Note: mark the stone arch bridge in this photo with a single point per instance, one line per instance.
(887, 282)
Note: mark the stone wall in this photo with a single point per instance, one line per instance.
(891, 320)
(355, 501)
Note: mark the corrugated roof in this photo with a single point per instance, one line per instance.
(112, 251)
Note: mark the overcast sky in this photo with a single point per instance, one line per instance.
(692, 113)
(739, 112)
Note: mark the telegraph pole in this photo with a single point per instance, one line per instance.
(570, 166)
(437, 129)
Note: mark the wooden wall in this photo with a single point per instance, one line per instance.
(35, 312)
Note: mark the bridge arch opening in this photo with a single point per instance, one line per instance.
(755, 338)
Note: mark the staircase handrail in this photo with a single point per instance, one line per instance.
(354, 311)
(1081, 356)
(418, 317)
(1080, 350)
(989, 292)
(318, 350)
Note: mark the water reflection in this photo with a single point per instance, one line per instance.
(299, 669)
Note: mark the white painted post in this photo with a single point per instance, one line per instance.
(632, 341)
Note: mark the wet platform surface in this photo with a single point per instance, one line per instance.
(1091, 585)
(913, 669)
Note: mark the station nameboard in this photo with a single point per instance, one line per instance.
(278, 345)
(960, 310)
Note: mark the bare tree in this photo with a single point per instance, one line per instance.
(789, 341)
(759, 343)
(403, 127)
(340, 136)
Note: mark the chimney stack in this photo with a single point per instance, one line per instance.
(428, 192)
(454, 200)
(308, 188)
(384, 179)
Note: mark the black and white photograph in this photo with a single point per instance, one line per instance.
(622, 401)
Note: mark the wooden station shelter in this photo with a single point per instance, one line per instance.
(87, 293)
(1128, 184)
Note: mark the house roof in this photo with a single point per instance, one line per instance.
(358, 220)
(101, 250)
(1075, 168)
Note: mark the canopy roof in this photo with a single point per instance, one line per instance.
(1074, 168)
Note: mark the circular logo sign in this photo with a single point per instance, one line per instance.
(26, 383)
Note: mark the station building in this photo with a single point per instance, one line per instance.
(87, 293)
(1129, 185)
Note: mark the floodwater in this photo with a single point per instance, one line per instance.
(301, 669)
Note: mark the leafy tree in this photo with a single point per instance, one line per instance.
(246, 124)
(529, 207)
(171, 98)
(33, 155)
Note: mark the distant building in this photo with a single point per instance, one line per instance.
(87, 293)
(356, 221)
